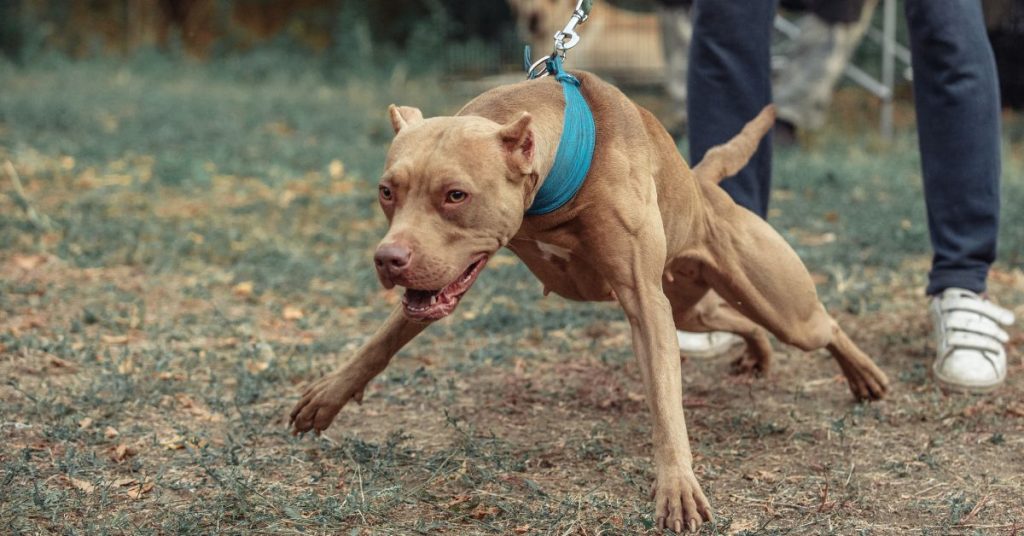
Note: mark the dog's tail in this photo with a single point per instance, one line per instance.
(728, 159)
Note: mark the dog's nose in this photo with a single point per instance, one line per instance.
(392, 259)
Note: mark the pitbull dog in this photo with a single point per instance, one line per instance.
(644, 230)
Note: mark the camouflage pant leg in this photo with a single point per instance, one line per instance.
(814, 63)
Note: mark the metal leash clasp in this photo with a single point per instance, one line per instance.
(579, 16)
(565, 39)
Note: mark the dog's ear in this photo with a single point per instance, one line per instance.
(517, 138)
(404, 116)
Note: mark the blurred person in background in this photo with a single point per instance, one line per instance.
(812, 63)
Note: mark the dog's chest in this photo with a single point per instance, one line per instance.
(563, 269)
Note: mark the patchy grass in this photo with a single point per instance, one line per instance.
(208, 253)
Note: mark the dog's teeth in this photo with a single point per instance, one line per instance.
(433, 299)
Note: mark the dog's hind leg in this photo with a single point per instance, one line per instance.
(697, 308)
(756, 271)
(712, 313)
(322, 400)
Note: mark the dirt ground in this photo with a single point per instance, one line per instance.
(154, 335)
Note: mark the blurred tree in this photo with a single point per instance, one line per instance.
(11, 34)
(417, 28)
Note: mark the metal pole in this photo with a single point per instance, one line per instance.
(888, 65)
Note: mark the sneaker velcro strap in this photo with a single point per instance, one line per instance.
(974, 323)
(957, 340)
(982, 307)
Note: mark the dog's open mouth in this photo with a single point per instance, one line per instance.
(436, 304)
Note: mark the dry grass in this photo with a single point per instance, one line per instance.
(154, 339)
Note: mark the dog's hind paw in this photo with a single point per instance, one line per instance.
(749, 365)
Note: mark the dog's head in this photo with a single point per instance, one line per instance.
(454, 191)
(538, 20)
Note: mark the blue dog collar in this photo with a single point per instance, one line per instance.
(575, 149)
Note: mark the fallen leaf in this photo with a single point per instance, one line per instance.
(810, 239)
(122, 482)
(243, 289)
(85, 423)
(114, 339)
(127, 366)
(832, 216)
(342, 187)
(458, 499)
(292, 313)
(197, 409)
(741, 525)
(974, 409)
(137, 491)
(59, 363)
(29, 262)
(256, 367)
(175, 442)
(227, 342)
(122, 452)
(82, 485)
(481, 511)
(336, 169)
(110, 432)
(521, 529)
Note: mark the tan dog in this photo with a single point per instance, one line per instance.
(618, 41)
(644, 230)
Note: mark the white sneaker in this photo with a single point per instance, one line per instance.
(710, 344)
(969, 356)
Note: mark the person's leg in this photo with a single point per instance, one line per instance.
(729, 82)
(674, 22)
(956, 95)
(957, 99)
(814, 65)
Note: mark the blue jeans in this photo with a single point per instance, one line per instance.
(956, 94)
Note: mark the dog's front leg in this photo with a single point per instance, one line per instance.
(634, 271)
(322, 400)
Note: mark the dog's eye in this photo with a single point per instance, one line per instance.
(456, 196)
(385, 193)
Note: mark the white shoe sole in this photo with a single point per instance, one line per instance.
(951, 386)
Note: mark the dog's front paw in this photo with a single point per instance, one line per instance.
(322, 400)
(679, 502)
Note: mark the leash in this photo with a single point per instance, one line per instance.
(580, 15)
(576, 147)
